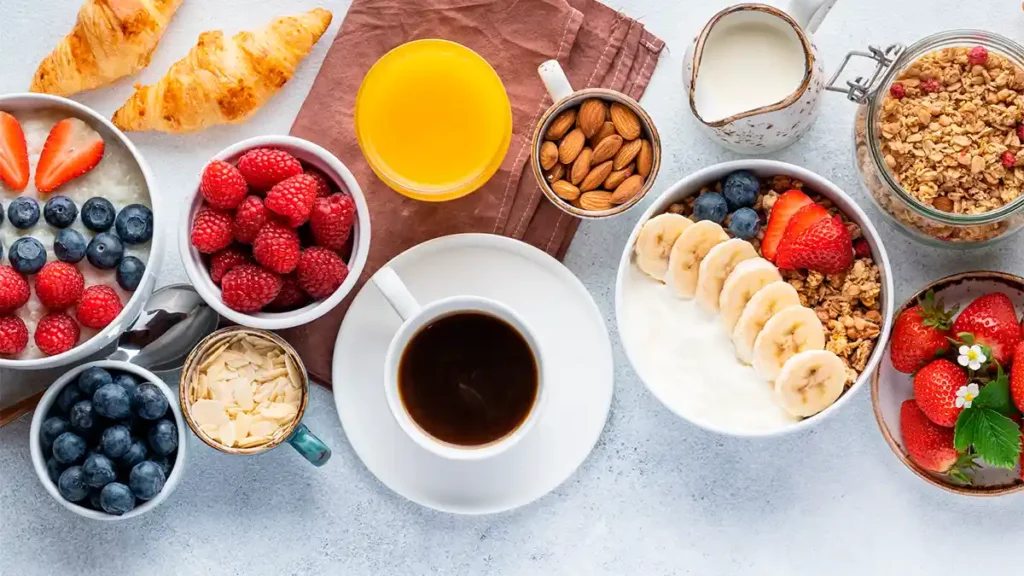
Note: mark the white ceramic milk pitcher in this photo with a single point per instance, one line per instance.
(754, 76)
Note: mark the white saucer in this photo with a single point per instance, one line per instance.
(578, 368)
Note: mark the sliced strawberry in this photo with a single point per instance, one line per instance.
(804, 218)
(783, 211)
(13, 153)
(825, 247)
(71, 150)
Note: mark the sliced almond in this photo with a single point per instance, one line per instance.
(228, 436)
(627, 153)
(627, 189)
(293, 372)
(565, 190)
(281, 412)
(209, 412)
(618, 177)
(597, 175)
(548, 155)
(571, 146)
(596, 201)
(262, 427)
(607, 149)
(242, 393)
(591, 116)
(606, 130)
(561, 124)
(644, 159)
(242, 424)
(581, 166)
(625, 120)
(253, 441)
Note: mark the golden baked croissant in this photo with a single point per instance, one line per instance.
(111, 39)
(224, 81)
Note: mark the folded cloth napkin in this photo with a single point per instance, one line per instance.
(595, 45)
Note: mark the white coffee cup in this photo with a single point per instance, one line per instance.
(416, 317)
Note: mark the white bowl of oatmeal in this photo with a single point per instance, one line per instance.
(122, 177)
(687, 355)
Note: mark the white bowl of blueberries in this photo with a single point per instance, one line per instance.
(108, 441)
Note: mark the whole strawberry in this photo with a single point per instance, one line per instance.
(929, 446)
(225, 260)
(13, 335)
(290, 297)
(59, 285)
(56, 333)
(321, 271)
(293, 198)
(1017, 377)
(935, 388)
(993, 322)
(211, 230)
(222, 185)
(14, 290)
(248, 288)
(920, 334)
(276, 247)
(332, 220)
(250, 216)
(264, 167)
(98, 307)
(825, 247)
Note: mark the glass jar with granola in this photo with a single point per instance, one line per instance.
(938, 136)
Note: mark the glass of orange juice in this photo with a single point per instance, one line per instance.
(433, 120)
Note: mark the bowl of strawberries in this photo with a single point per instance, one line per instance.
(949, 392)
(276, 234)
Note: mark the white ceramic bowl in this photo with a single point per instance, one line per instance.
(763, 168)
(30, 102)
(331, 167)
(39, 462)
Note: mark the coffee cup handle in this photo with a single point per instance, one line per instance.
(392, 287)
(555, 80)
(312, 448)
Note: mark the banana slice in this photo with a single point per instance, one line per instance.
(717, 266)
(810, 382)
(691, 248)
(654, 243)
(793, 330)
(765, 303)
(745, 280)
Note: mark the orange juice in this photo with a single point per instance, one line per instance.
(433, 120)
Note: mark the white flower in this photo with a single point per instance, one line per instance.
(966, 394)
(971, 357)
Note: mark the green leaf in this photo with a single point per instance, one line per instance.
(966, 338)
(996, 395)
(963, 433)
(995, 438)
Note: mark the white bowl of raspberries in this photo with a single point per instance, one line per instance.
(276, 234)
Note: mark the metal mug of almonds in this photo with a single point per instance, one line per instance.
(594, 156)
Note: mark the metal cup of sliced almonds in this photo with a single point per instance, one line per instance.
(244, 391)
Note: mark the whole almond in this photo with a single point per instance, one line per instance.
(581, 166)
(626, 122)
(561, 124)
(618, 177)
(628, 189)
(571, 146)
(644, 159)
(591, 116)
(565, 190)
(627, 153)
(596, 176)
(548, 155)
(606, 130)
(596, 201)
(556, 173)
(607, 149)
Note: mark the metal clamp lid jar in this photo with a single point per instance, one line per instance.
(923, 221)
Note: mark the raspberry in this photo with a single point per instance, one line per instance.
(55, 333)
(98, 307)
(293, 199)
(1009, 159)
(225, 260)
(14, 290)
(222, 185)
(249, 218)
(321, 271)
(264, 167)
(290, 297)
(977, 56)
(897, 91)
(13, 335)
(931, 86)
(59, 285)
(323, 188)
(248, 288)
(332, 220)
(861, 249)
(211, 230)
(276, 247)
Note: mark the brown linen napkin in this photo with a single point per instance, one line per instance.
(597, 47)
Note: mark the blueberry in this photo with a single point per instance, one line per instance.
(128, 382)
(112, 401)
(53, 469)
(740, 189)
(68, 448)
(23, 212)
(136, 453)
(129, 273)
(165, 464)
(745, 223)
(60, 211)
(67, 398)
(98, 214)
(149, 402)
(94, 499)
(69, 246)
(163, 437)
(27, 255)
(710, 206)
(71, 484)
(147, 480)
(92, 378)
(116, 441)
(134, 224)
(52, 427)
(98, 471)
(82, 415)
(117, 499)
(104, 251)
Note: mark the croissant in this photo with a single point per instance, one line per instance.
(224, 81)
(111, 39)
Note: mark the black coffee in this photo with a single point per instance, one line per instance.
(468, 379)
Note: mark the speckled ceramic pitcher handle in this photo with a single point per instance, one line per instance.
(810, 13)
(311, 447)
(555, 80)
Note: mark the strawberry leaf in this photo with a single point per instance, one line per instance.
(996, 395)
(966, 338)
(995, 438)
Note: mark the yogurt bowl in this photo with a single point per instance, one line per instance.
(687, 356)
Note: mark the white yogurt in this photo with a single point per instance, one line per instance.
(117, 178)
(686, 357)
